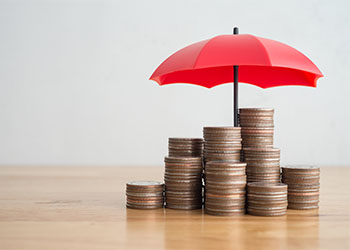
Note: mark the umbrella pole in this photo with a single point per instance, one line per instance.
(235, 88)
(235, 95)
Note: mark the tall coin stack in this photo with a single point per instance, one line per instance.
(263, 161)
(144, 194)
(257, 127)
(183, 182)
(303, 186)
(222, 143)
(267, 199)
(263, 164)
(185, 147)
(225, 188)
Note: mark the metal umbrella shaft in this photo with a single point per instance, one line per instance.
(235, 88)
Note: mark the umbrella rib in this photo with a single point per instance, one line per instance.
(200, 53)
(264, 49)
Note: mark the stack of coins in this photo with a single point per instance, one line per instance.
(303, 186)
(225, 188)
(185, 147)
(222, 143)
(263, 164)
(183, 182)
(253, 137)
(257, 127)
(267, 199)
(144, 194)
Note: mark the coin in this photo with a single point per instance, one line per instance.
(183, 140)
(185, 147)
(262, 164)
(260, 186)
(223, 128)
(144, 184)
(303, 186)
(172, 159)
(225, 183)
(143, 206)
(257, 123)
(145, 201)
(184, 207)
(268, 110)
(144, 194)
(225, 212)
(222, 143)
(267, 199)
(249, 131)
(259, 212)
(302, 207)
(300, 170)
(257, 129)
(183, 182)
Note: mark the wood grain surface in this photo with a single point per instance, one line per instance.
(84, 208)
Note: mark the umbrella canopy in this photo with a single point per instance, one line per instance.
(262, 62)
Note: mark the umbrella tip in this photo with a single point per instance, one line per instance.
(235, 30)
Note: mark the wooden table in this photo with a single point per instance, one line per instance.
(84, 208)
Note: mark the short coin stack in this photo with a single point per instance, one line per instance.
(263, 164)
(183, 182)
(303, 186)
(257, 127)
(225, 188)
(222, 143)
(144, 194)
(267, 199)
(185, 147)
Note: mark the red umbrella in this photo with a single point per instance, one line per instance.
(262, 62)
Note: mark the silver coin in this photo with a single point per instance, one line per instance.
(144, 183)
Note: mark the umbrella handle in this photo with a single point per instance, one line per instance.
(235, 88)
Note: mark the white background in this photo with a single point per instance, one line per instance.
(74, 86)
